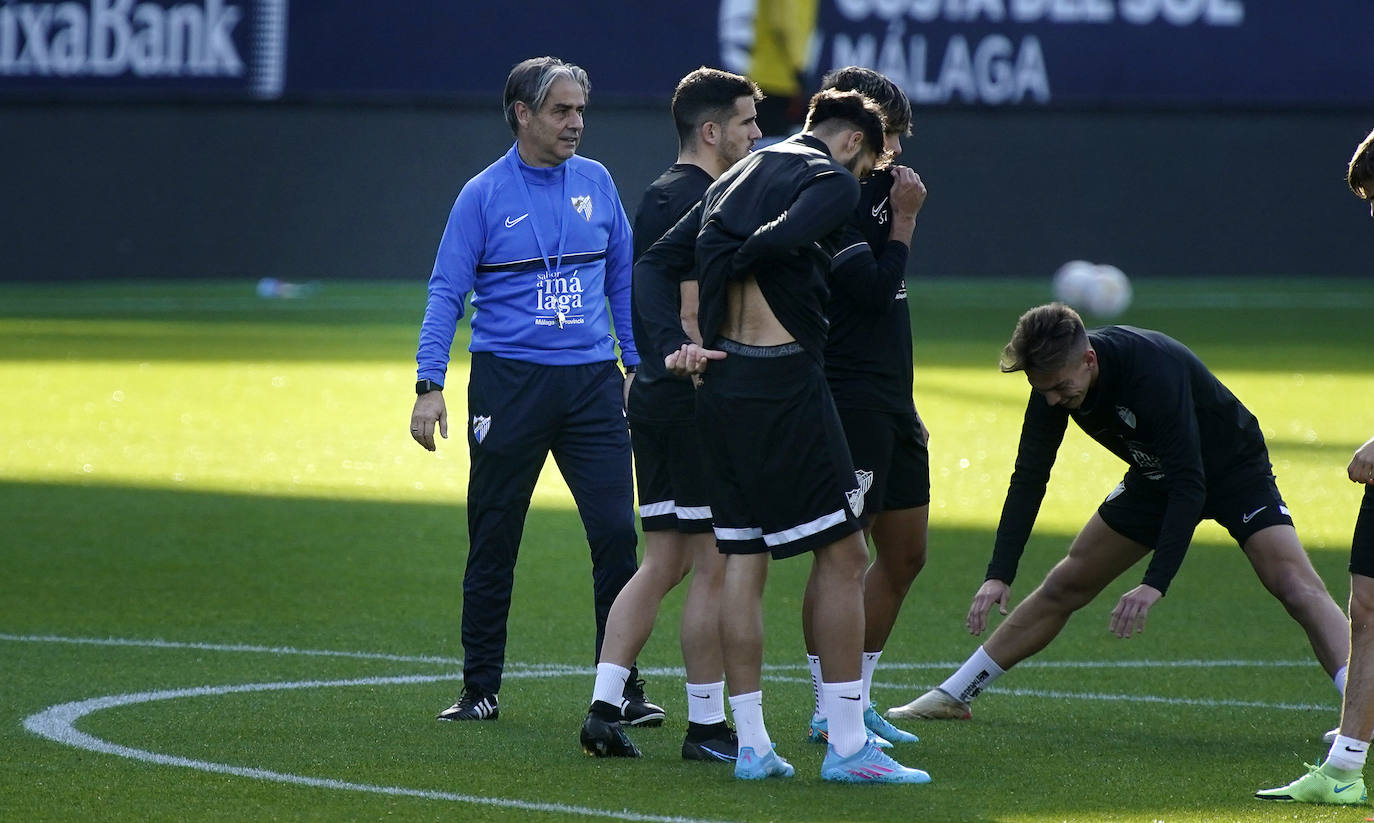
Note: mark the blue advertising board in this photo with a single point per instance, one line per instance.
(1028, 53)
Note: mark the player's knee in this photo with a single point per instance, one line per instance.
(1362, 602)
(1063, 592)
(903, 566)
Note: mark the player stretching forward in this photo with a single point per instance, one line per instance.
(782, 480)
(1339, 779)
(1194, 452)
(868, 366)
(716, 125)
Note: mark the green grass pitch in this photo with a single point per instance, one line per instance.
(218, 531)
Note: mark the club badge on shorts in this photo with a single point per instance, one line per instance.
(480, 426)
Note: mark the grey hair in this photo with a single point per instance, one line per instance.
(530, 81)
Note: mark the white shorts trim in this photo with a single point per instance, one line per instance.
(738, 534)
(795, 533)
(693, 512)
(655, 509)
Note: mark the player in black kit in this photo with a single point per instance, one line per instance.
(782, 479)
(1193, 452)
(1339, 779)
(868, 364)
(715, 117)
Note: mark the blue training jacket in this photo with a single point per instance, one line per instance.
(526, 306)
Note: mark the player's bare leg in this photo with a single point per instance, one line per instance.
(631, 620)
(1097, 556)
(1357, 710)
(700, 631)
(899, 538)
(1286, 571)
(741, 622)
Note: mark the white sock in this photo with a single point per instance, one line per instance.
(610, 683)
(706, 702)
(1339, 679)
(1347, 756)
(814, 663)
(976, 674)
(844, 710)
(748, 712)
(870, 663)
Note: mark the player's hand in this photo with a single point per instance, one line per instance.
(1128, 617)
(908, 193)
(992, 591)
(691, 359)
(1361, 469)
(429, 410)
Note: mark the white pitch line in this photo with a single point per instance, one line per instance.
(560, 670)
(58, 723)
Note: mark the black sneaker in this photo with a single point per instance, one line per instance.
(606, 738)
(713, 742)
(474, 704)
(635, 710)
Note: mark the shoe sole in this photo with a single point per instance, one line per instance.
(846, 777)
(648, 721)
(700, 754)
(903, 713)
(458, 719)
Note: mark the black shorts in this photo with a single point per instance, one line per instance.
(1135, 508)
(781, 477)
(890, 459)
(669, 470)
(1362, 544)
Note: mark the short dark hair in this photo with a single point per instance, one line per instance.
(708, 95)
(529, 83)
(1045, 339)
(889, 97)
(849, 107)
(1360, 175)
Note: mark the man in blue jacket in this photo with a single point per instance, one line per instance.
(540, 239)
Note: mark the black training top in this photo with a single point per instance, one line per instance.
(656, 291)
(868, 353)
(765, 217)
(1157, 407)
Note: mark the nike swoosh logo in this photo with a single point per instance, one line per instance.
(879, 207)
(701, 696)
(511, 223)
(1356, 751)
(1339, 789)
(847, 697)
(1246, 518)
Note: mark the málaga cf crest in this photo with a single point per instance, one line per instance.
(583, 206)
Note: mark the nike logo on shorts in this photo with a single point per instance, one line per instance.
(1248, 517)
(879, 207)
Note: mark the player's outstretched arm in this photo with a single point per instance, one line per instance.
(1128, 617)
(429, 410)
(1361, 468)
(992, 591)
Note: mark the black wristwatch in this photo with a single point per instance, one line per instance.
(426, 386)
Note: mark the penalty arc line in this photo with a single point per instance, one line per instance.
(58, 724)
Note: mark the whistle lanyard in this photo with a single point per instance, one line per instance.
(534, 223)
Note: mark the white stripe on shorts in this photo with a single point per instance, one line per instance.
(738, 534)
(655, 509)
(820, 524)
(693, 512)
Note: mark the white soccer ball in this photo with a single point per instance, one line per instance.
(1072, 282)
(1109, 291)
